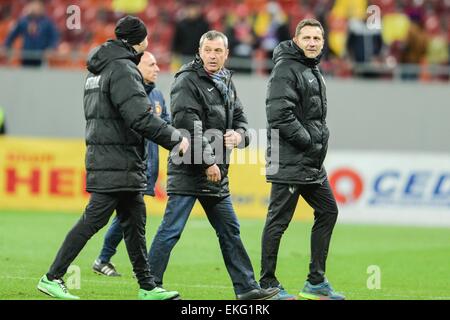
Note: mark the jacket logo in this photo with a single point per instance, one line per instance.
(210, 89)
(158, 108)
(311, 80)
(292, 189)
(92, 83)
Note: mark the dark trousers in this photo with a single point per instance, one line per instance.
(283, 200)
(222, 217)
(130, 208)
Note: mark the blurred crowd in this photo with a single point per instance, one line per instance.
(407, 39)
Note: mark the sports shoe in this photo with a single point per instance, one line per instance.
(55, 288)
(107, 269)
(158, 294)
(283, 294)
(258, 294)
(321, 291)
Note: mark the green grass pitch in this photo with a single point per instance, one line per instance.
(414, 262)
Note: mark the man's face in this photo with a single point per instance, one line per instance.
(310, 40)
(36, 8)
(148, 67)
(214, 54)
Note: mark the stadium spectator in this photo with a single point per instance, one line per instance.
(188, 31)
(2, 121)
(149, 69)
(271, 27)
(242, 38)
(203, 97)
(296, 107)
(118, 118)
(39, 34)
(364, 46)
(413, 51)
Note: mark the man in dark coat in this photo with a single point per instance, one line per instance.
(149, 70)
(204, 105)
(118, 118)
(296, 108)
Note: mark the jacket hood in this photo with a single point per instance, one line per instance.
(194, 65)
(111, 50)
(288, 50)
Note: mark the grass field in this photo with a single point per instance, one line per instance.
(414, 262)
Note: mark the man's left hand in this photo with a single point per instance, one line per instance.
(232, 139)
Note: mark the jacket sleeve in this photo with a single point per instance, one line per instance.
(17, 30)
(240, 123)
(187, 114)
(128, 95)
(281, 100)
(165, 115)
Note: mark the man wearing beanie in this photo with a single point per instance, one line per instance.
(118, 119)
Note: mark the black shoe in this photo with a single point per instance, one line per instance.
(258, 294)
(107, 269)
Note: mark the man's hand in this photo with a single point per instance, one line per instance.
(232, 139)
(213, 173)
(184, 145)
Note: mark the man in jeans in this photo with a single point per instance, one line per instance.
(203, 97)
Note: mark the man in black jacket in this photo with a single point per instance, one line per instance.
(204, 105)
(296, 108)
(118, 118)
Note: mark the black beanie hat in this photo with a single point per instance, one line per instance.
(131, 29)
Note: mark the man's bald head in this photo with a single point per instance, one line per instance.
(148, 67)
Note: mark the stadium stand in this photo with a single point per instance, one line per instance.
(411, 40)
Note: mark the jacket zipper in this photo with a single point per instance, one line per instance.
(315, 72)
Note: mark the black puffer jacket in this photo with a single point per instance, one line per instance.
(296, 105)
(118, 117)
(197, 106)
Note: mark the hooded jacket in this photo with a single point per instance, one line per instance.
(197, 105)
(296, 107)
(118, 118)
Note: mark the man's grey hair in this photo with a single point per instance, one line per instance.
(213, 34)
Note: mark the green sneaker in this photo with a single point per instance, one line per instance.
(55, 288)
(158, 294)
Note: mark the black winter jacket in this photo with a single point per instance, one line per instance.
(118, 117)
(296, 106)
(196, 106)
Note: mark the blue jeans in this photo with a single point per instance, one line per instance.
(115, 234)
(222, 217)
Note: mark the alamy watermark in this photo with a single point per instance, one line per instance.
(73, 280)
(373, 21)
(208, 147)
(374, 279)
(73, 21)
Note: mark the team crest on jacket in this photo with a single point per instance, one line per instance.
(158, 108)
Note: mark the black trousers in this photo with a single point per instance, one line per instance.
(283, 200)
(130, 209)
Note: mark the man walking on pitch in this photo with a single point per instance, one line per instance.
(149, 69)
(118, 117)
(296, 107)
(203, 98)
